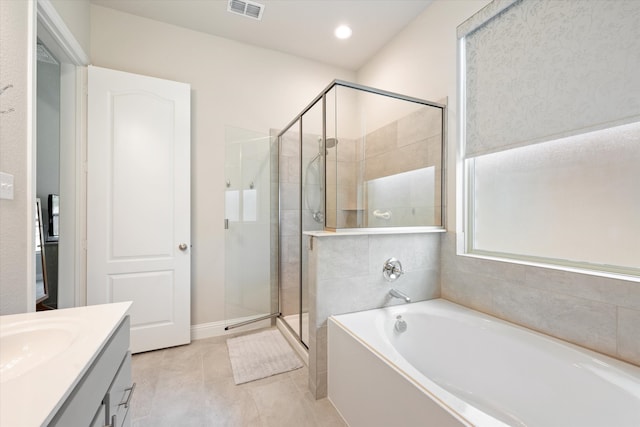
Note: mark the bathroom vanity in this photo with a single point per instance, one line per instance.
(68, 367)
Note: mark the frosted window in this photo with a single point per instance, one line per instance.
(545, 68)
(574, 200)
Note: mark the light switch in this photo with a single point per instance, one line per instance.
(6, 186)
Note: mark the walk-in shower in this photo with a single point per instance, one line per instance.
(355, 158)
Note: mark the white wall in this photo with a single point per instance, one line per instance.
(232, 84)
(76, 15)
(421, 62)
(17, 19)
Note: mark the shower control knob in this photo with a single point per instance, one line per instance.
(182, 246)
(392, 269)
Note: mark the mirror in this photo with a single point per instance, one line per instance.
(53, 204)
(48, 170)
(42, 290)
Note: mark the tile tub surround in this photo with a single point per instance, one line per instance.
(345, 275)
(599, 313)
(193, 385)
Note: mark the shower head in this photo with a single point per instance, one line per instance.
(329, 142)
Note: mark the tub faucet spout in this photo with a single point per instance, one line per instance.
(397, 294)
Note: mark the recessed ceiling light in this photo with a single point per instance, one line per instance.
(343, 32)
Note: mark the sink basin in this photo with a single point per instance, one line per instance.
(26, 345)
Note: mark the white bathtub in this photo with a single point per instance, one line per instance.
(454, 366)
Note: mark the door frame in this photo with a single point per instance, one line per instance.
(54, 33)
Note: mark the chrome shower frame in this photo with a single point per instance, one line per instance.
(322, 96)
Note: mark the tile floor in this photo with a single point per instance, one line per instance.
(192, 386)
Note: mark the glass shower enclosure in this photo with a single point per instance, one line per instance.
(355, 158)
(250, 271)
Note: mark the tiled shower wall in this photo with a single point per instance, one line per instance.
(289, 172)
(291, 177)
(345, 275)
(343, 183)
(410, 143)
(599, 313)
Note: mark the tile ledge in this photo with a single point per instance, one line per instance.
(373, 231)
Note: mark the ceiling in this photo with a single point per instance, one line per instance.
(298, 27)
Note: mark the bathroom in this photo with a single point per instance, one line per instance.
(602, 313)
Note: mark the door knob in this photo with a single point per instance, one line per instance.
(182, 246)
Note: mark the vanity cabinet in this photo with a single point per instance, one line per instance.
(117, 399)
(101, 398)
(98, 419)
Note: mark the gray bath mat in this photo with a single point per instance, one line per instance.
(261, 355)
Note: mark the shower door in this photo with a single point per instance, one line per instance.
(249, 294)
(312, 204)
(302, 209)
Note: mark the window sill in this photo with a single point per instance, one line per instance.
(629, 277)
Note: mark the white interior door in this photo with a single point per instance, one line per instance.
(138, 197)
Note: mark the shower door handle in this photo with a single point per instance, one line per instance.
(226, 223)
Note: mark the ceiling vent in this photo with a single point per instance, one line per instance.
(246, 8)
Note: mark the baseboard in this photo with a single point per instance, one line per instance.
(216, 329)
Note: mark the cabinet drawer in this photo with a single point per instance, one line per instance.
(80, 407)
(98, 419)
(119, 395)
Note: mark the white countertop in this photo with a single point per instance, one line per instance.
(33, 397)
